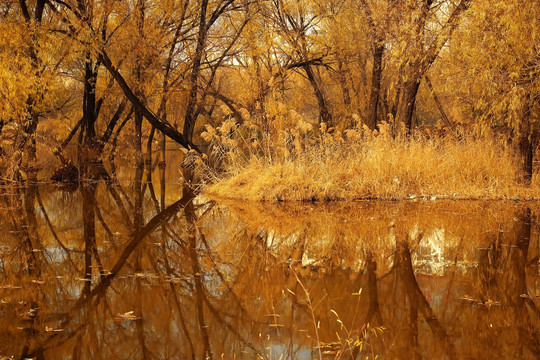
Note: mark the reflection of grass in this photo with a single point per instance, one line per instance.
(378, 167)
(339, 233)
(352, 342)
(365, 219)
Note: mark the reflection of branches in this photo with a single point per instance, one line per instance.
(220, 275)
(177, 303)
(374, 309)
(201, 294)
(32, 263)
(152, 191)
(228, 326)
(199, 302)
(99, 290)
(451, 282)
(312, 312)
(89, 232)
(109, 182)
(414, 293)
(51, 227)
(102, 221)
(518, 287)
(139, 323)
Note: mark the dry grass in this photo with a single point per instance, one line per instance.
(379, 167)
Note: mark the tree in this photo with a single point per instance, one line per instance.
(27, 76)
(496, 57)
(424, 28)
(296, 24)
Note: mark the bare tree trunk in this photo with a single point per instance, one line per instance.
(342, 75)
(525, 141)
(89, 101)
(406, 105)
(139, 92)
(376, 76)
(189, 120)
(324, 113)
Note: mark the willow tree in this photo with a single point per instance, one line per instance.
(377, 15)
(423, 28)
(29, 59)
(496, 60)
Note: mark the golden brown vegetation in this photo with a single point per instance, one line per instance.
(354, 165)
(107, 76)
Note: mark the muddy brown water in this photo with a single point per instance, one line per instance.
(128, 271)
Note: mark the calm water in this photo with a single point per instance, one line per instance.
(127, 271)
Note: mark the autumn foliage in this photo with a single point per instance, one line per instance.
(343, 98)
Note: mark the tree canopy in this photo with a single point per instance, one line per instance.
(103, 72)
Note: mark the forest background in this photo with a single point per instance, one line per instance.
(277, 99)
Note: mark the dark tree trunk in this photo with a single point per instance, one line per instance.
(324, 113)
(525, 141)
(376, 76)
(89, 102)
(406, 105)
(139, 90)
(190, 119)
(161, 125)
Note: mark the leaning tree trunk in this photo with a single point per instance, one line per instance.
(324, 113)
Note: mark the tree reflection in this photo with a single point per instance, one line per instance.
(111, 272)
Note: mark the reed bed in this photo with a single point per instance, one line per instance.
(349, 166)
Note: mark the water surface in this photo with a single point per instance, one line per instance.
(124, 270)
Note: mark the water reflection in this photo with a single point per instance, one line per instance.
(113, 271)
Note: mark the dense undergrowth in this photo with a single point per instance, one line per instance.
(360, 164)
